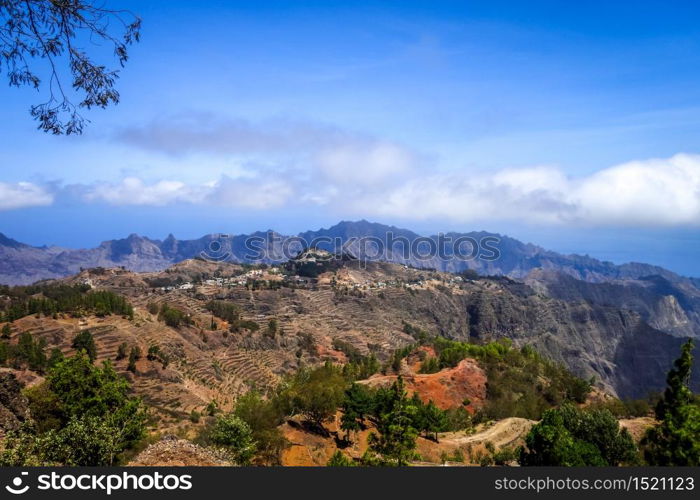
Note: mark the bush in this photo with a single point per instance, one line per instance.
(340, 460)
(84, 417)
(121, 350)
(28, 352)
(569, 436)
(458, 419)
(264, 417)
(505, 456)
(430, 365)
(236, 436)
(84, 341)
(153, 353)
(173, 317)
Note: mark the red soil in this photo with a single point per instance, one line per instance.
(447, 388)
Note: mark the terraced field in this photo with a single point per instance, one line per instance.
(206, 365)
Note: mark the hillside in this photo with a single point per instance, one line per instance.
(208, 333)
(282, 321)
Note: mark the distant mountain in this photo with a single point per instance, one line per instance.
(668, 301)
(23, 264)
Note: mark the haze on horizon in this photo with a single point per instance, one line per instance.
(573, 128)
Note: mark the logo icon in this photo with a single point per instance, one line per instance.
(17, 482)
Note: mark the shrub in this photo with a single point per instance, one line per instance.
(340, 460)
(84, 417)
(430, 365)
(173, 317)
(235, 435)
(121, 350)
(153, 353)
(569, 436)
(264, 416)
(84, 341)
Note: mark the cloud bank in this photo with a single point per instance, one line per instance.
(24, 194)
(283, 164)
(658, 192)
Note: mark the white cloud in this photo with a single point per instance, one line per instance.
(364, 163)
(260, 194)
(134, 191)
(22, 195)
(242, 192)
(661, 192)
(301, 148)
(658, 192)
(380, 179)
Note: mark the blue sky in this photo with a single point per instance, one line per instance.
(572, 126)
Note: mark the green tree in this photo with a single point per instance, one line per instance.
(396, 441)
(317, 393)
(263, 416)
(45, 408)
(339, 459)
(236, 436)
(55, 357)
(356, 405)
(173, 317)
(50, 32)
(6, 331)
(433, 420)
(4, 352)
(458, 419)
(133, 356)
(676, 440)
(272, 327)
(84, 341)
(85, 390)
(212, 408)
(122, 350)
(569, 436)
(87, 441)
(430, 365)
(30, 352)
(84, 416)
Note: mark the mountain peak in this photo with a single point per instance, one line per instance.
(9, 242)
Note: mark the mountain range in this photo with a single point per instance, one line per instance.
(665, 300)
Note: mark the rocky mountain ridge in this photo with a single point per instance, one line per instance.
(24, 264)
(664, 300)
